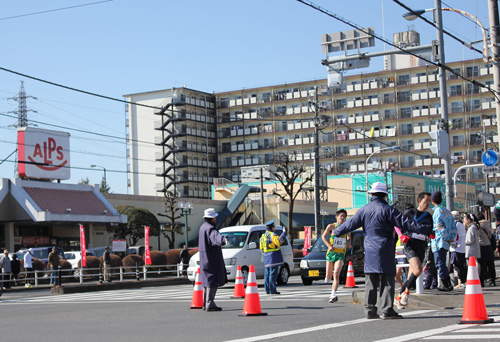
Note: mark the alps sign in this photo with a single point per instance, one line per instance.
(43, 153)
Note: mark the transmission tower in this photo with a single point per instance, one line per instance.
(22, 109)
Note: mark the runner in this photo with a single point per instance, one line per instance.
(336, 252)
(415, 247)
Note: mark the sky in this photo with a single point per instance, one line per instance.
(119, 47)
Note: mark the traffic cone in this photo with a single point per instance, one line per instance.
(239, 287)
(197, 301)
(252, 300)
(474, 307)
(350, 283)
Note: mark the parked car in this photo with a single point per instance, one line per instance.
(98, 251)
(299, 243)
(42, 253)
(73, 257)
(313, 265)
(243, 250)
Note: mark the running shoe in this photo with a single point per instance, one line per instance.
(404, 298)
(333, 299)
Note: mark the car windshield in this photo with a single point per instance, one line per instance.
(40, 253)
(319, 246)
(235, 239)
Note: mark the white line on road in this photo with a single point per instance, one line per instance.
(475, 330)
(462, 337)
(316, 328)
(425, 334)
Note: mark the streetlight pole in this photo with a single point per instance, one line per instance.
(104, 169)
(323, 214)
(444, 102)
(185, 208)
(366, 167)
(495, 51)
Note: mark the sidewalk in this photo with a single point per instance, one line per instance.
(434, 299)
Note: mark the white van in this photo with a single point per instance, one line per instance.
(243, 249)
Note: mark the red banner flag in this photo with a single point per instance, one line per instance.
(146, 238)
(83, 246)
(307, 240)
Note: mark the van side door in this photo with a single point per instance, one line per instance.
(254, 256)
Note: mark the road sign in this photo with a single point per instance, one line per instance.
(491, 169)
(489, 158)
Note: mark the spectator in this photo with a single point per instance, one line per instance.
(270, 244)
(6, 269)
(15, 265)
(472, 248)
(106, 260)
(378, 220)
(53, 263)
(445, 233)
(430, 271)
(458, 263)
(487, 259)
(184, 256)
(212, 268)
(28, 267)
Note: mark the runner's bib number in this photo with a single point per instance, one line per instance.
(418, 236)
(339, 243)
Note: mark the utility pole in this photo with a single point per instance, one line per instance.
(444, 103)
(317, 208)
(494, 41)
(262, 210)
(485, 148)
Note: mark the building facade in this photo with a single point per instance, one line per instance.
(370, 112)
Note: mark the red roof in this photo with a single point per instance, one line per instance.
(56, 201)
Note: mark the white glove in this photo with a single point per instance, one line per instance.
(284, 230)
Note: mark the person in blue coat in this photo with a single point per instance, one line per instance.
(270, 244)
(212, 268)
(378, 220)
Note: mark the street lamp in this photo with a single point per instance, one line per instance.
(366, 166)
(438, 19)
(185, 208)
(323, 213)
(104, 169)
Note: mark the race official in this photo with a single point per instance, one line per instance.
(270, 244)
(378, 220)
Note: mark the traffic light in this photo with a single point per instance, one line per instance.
(442, 145)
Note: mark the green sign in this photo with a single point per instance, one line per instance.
(359, 186)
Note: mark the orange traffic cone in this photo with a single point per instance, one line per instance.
(239, 287)
(197, 301)
(474, 307)
(252, 300)
(350, 283)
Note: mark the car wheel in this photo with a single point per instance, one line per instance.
(307, 281)
(244, 274)
(284, 275)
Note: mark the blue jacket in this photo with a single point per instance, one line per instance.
(274, 241)
(444, 228)
(378, 220)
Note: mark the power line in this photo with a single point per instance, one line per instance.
(55, 10)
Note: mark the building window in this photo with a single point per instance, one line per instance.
(457, 107)
(456, 90)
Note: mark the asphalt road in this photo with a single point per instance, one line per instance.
(162, 314)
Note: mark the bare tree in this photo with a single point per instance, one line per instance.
(288, 174)
(171, 209)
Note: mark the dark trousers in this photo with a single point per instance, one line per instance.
(270, 277)
(459, 264)
(440, 260)
(374, 281)
(6, 280)
(209, 296)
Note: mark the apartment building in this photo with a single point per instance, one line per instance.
(203, 135)
(372, 111)
(171, 142)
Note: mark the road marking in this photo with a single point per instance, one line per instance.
(475, 330)
(429, 334)
(316, 328)
(463, 337)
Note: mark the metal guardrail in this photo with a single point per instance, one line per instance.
(81, 274)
